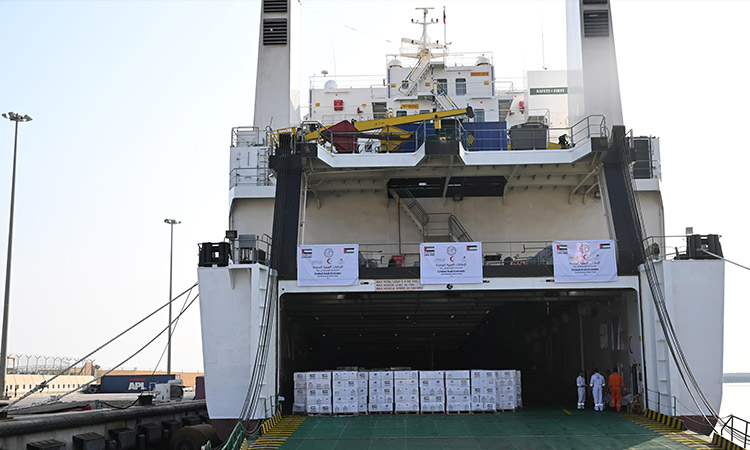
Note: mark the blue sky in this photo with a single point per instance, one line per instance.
(133, 103)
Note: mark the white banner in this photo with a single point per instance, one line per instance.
(328, 265)
(582, 261)
(450, 262)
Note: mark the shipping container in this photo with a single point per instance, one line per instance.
(131, 383)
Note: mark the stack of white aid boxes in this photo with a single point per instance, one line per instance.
(519, 402)
(457, 391)
(300, 392)
(362, 378)
(505, 382)
(318, 393)
(406, 386)
(483, 393)
(344, 392)
(432, 390)
(381, 391)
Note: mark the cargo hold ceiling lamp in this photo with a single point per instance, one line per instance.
(172, 223)
(13, 117)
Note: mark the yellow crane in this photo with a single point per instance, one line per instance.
(375, 124)
(344, 134)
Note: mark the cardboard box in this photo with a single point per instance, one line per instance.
(406, 375)
(457, 375)
(344, 375)
(463, 390)
(429, 390)
(431, 375)
(323, 376)
(380, 407)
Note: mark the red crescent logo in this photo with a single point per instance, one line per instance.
(328, 260)
(451, 259)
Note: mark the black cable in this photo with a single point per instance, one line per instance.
(36, 388)
(121, 407)
(86, 385)
(675, 348)
(187, 297)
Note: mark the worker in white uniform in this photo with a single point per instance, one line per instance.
(581, 385)
(597, 385)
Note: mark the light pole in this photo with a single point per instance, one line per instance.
(13, 117)
(171, 223)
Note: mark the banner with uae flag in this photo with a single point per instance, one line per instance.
(450, 262)
(584, 261)
(328, 265)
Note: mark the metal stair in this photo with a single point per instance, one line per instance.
(442, 98)
(435, 227)
(416, 74)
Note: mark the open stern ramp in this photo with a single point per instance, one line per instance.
(551, 428)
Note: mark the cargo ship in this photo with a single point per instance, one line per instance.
(440, 218)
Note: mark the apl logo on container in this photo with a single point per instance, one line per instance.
(137, 384)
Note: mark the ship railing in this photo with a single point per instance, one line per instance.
(667, 247)
(250, 176)
(251, 249)
(594, 126)
(642, 168)
(661, 403)
(247, 137)
(494, 253)
(504, 87)
(474, 136)
(736, 430)
(467, 59)
(344, 82)
(446, 224)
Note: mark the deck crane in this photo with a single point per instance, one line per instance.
(343, 135)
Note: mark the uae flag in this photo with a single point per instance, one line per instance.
(307, 251)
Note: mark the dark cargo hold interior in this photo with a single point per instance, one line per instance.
(538, 332)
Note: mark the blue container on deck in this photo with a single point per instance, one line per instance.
(475, 136)
(485, 136)
(111, 384)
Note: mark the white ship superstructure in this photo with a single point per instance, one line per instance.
(441, 149)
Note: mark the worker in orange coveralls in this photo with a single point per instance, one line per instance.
(616, 386)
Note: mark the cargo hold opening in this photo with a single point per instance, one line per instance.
(542, 333)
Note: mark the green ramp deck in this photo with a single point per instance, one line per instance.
(525, 429)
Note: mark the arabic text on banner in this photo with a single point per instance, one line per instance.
(584, 261)
(450, 262)
(328, 265)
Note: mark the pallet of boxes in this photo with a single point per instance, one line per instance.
(483, 397)
(406, 387)
(362, 389)
(345, 393)
(318, 401)
(457, 391)
(508, 385)
(431, 391)
(381, 392)
(300, 393)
